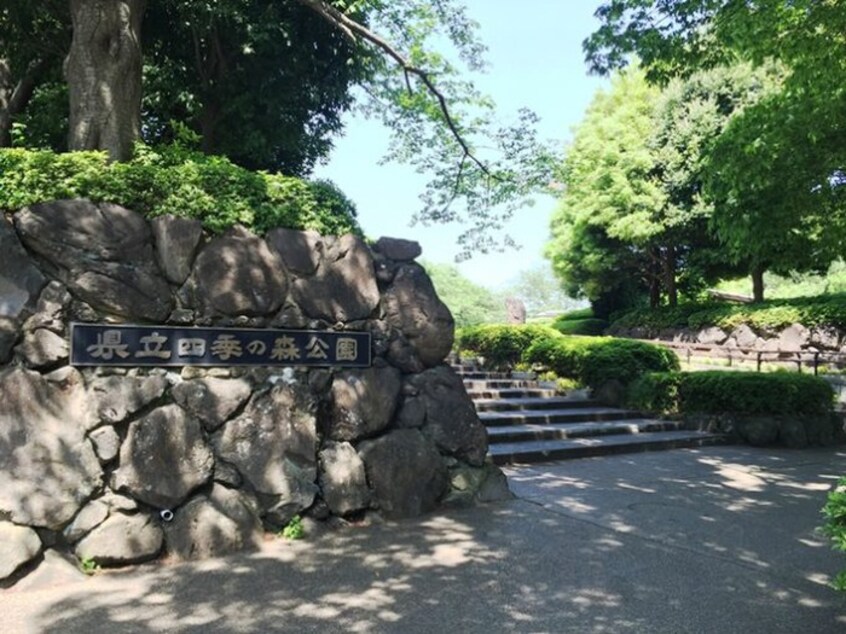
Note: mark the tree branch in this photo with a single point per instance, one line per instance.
(350, 28)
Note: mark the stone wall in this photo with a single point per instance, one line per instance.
(792, 338)
(124, 465)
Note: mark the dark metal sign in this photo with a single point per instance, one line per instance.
(119, 345)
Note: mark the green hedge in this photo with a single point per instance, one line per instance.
(597, 360)
(770, 315)
(502, 347)
(175, 180)
(743, 393)
(794, 410)
(590, 327)
(590, 360)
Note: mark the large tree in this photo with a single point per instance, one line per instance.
(634, 213)
(240, 62)
(776, 177)
(602, 228)
(690, 119)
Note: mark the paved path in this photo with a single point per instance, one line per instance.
(719, 539)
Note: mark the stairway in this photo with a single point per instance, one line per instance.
(529, 422)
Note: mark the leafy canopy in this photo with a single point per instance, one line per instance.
(266, 82)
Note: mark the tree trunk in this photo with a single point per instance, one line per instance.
(14, 96)
(103, 71)
(654, 278)
(758, 283)
(5, 99)
(670, 276)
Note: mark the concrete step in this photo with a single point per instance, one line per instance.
(552, 416)
(548, 450)
(484, 376)
(511, 404)
(499, 384)
(561, 431)
(512, 393)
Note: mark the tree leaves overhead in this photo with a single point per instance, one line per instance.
(481, 169)
(265, 82)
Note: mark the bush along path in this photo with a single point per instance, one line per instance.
(527, 422)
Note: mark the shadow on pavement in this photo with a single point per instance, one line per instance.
(716, 540)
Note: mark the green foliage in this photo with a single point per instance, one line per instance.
(89, 566)
(563, 356)
(294, 529)
(265, 83)
(624, 360)
(633, 221)
(826, 310)
(737, 393)
(656, 392)
(603, 222)
(580, 313)
(502, 346)
(590, 360)
(795, 284)
(835, 525)
(775, 173)
(591, 327)
(175, 180)
(469, 303)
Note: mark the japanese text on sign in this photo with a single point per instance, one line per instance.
(170, 346)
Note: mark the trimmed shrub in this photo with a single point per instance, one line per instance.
(739, 393)
(175, 180)
(598, 360)
(794, 410)
(502, 347)
(589, 327)
(777, 393)
(656, 392)
(562, 355)
(592, 361)
(624, 360)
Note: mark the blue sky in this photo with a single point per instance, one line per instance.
(535, 60)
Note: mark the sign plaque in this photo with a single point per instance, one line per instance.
(125, 345)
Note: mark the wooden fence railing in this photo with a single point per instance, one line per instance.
(810, 359)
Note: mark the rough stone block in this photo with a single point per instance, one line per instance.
(49, 468)
(406, 473)
(122, 539)
(18, 546)
(214, 525)
(412, 306)
(273, 444)
(238, 274)
(176, 241)
(212, 400)
(343, 479)
(363, 402)
(164, 458)
(399, 249)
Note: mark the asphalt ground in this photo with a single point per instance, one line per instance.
(718, 539)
